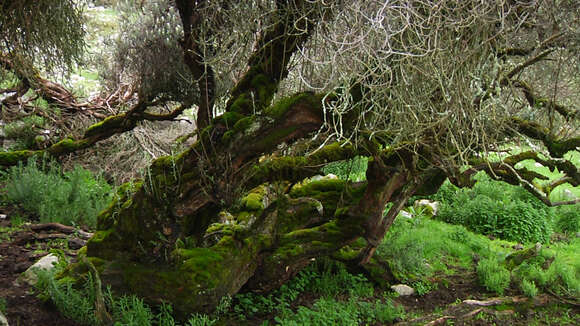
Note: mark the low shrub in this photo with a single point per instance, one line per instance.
(498, 209)
(529, 288)
(548, 273)
(328, 311)
(493, 276)
(74, 197)
(567, 219)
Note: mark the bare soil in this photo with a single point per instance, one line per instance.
(18, 251)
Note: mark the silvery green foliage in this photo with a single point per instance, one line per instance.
(420, 69)
(46, 33)
(146, 52)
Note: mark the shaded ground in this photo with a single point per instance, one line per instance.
(461, 300)
(18, 251)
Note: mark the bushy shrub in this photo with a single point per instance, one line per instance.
(529, 288)
(498, 209)
(74, 304)
(563, 279)
(74, 197)
(568, 219)
(493, 276)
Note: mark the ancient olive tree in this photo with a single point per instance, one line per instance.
(427, 90)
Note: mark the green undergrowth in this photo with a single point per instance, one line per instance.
(338, 298)
(505, 211)
(421, 250)
(326, 281)
(555, 269)
(353, 170)
(69, 197)
(78, 304)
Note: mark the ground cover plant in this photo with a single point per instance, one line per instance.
(42, 189)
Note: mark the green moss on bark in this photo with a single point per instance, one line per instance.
(12, 158)
(112, 122)
(68, 145)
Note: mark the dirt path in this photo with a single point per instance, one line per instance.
(17, 253)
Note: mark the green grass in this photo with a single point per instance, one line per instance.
(78, 304)
(420, 248)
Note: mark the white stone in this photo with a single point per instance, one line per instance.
(403, 290)
(2, 216)
(3, 320)
(406, 214)
(47, 263)
(432, 206)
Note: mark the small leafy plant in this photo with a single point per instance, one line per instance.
(72, 197)
(493, 276)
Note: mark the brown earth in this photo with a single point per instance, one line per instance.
(18, 251)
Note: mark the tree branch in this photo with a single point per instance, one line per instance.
(269, 62)
(535, 100)
(556, 147)
(194, 58)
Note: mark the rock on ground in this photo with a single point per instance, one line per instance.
(47, 263)
(403, 290)
(3, 320)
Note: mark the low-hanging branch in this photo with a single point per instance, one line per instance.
(506, 171)
(105, 129)
(535, 100)
(557, 147)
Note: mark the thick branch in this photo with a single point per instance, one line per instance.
(194, 58)
(105, 129)
(556, 147)
(506, 171)
(296, 168)
(269, 63)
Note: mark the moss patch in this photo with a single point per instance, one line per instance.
(112, 122)
(12, 158)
